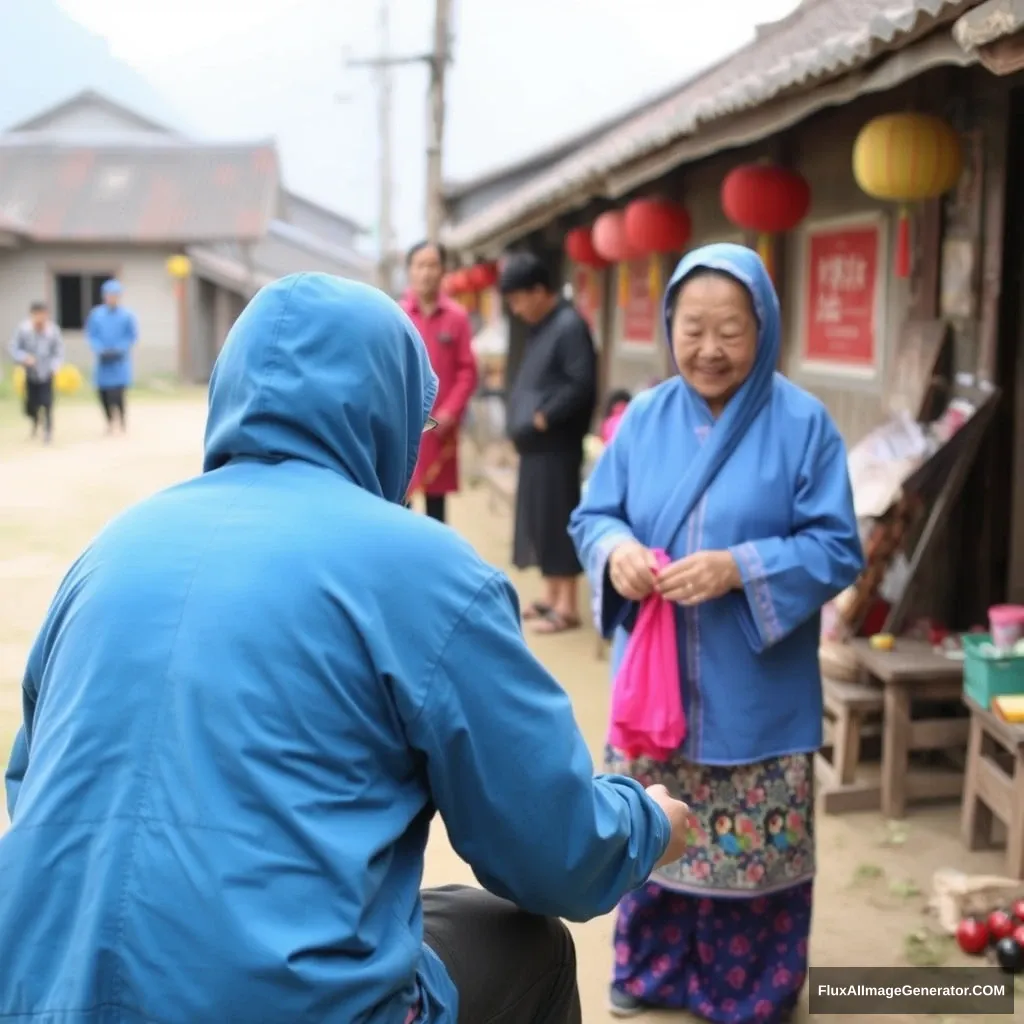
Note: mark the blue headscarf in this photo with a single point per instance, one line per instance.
(744, 266)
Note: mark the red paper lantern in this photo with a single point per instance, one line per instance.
(482, 276)
(459, 281)
(609, 236)
(765, 198)
(657, 226)
(579, 247)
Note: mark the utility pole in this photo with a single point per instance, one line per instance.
(437, 63)
(435, 129)
(385, 226)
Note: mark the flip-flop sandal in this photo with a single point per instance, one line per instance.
(536, 610)
(553, 623)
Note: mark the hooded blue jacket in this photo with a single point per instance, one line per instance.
(252, 692)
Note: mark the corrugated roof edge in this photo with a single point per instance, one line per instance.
(686, 109)
(126, 142)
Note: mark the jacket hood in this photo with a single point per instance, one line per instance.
(327, 371)
(745, 266)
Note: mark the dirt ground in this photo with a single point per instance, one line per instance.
(873, 880)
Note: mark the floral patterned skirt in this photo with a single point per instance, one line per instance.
(753, 825)
(723, 932)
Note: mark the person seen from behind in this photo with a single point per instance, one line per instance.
(38, 347)
(737, 479)
(445, 328)
(550, 407)
(225, 817)
(112, 332)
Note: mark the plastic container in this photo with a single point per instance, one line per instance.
(1007, 624)
(988, 677)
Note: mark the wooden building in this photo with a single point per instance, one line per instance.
(798, 96)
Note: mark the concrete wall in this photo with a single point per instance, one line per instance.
(27, 274)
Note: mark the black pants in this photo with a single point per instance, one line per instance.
(435, 506)
(112, 400)
(509, 967)
(39, 404)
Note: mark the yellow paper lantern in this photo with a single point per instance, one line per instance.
(179, 267)
(907, 158)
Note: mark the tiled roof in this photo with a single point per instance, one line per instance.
(821, 39)
(137, 189)
(285, 250)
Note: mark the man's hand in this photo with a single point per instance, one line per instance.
(540, 422)
(28, 360)
(678, 815)
(631, 567)
(699, 578)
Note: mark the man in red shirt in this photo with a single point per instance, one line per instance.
(445, 327)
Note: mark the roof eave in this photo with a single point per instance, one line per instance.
(668, 150)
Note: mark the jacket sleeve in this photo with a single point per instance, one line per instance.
(18, 763)
(17, 349)
(513, 779)
(92, 335)
(786, 580)
(131, 329)
(578, 364)
(601, 523)
(58, 348)
(464, 387)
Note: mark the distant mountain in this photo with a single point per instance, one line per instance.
(46, 57)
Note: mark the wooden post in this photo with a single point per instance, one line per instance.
(385, 224)
(435, 145)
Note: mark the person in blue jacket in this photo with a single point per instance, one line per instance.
(249, 697)
(112, 331)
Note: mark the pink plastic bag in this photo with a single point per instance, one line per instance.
(647, 703)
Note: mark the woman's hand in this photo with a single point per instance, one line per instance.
(631, 567)
(699, 578)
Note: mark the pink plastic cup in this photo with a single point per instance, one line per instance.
(1006, 622)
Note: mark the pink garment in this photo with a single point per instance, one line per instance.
(647, 701)
(611, 424)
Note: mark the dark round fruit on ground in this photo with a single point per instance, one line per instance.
(1010, 956)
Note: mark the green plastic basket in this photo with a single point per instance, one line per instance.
(985, 678)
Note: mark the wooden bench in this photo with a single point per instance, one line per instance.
(994, 786)
(852, 714)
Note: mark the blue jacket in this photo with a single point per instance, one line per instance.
(112, 333)
(252, 692)
(767, 481)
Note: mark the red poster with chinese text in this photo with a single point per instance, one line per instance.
(841, 295)
(640, 316)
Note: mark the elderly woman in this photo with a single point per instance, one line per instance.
(740, 477)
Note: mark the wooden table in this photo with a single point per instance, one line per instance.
(993, 790)
(910, 673)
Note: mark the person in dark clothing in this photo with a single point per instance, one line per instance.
(550, 407)
(38, 347)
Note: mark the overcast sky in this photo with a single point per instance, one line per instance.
(525, 74)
